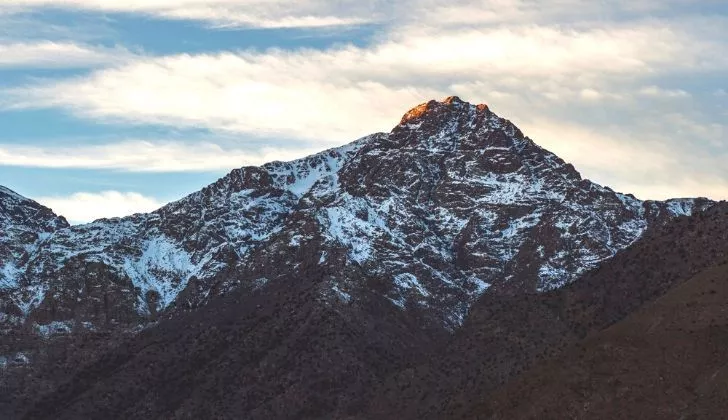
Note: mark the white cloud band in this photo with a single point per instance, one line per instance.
(245, 13)
(85, 207)
(49, 54)
(144, 156)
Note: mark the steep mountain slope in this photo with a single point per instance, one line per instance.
(668, 360)
(278, 352)
(505, 336)
(286, 351)
(23, 225)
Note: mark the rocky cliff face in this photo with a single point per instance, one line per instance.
(453, 201)
(24, 225)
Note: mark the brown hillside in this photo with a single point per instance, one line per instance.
(667, 361)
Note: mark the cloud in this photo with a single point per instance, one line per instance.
(714, 188)
(492, 12)
(605, 85)
(596, 151)
(225, 13)
(648, 162)
(320, 13)
(49, 54)
(83, 207)
(665, 93)
(145, 156)
(227, 18)
(345, 92)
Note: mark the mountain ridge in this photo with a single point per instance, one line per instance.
(201, 234)
(283, 351)
(399, 234)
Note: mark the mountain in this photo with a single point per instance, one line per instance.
(141, 263)
(320, 277)
(283, 351)
(23, 225)
(535, 338)
(666, 359)
(453, 201)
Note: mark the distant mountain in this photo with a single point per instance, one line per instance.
(319, 277)
(284, 352)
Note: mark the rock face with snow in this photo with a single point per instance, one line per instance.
(24, 225)
(453, 201)
(127, 269)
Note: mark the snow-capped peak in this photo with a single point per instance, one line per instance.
(453, 201)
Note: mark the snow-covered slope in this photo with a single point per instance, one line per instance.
(151, 257)
(452, 202)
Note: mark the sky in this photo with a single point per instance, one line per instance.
(111, 107)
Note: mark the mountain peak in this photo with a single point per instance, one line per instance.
(434, 106)
(17, 209)
(453, 100)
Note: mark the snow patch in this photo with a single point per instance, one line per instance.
(36, 293)
(9, 275)
(259, 283)
(342, 295)
(349, 230)
(552, 277)
(295, 240)
(407, 281)
(161, 258)
(681, 207)
(480, 286)
(54, 328)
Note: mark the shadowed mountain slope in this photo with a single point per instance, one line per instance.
(506, 335)
(667, 360)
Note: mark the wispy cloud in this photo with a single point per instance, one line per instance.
(345, 92)
(578, 75)
(665, 93)
(652, 158)
(145, 156)
(50, 54)
(85, 207)
(317, 13)
(244, 13)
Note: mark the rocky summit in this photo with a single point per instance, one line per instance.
(419, 223)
